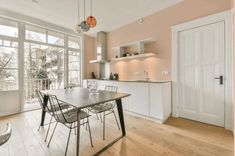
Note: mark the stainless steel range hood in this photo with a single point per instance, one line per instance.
(100, 48)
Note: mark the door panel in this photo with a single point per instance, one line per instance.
(201, 60)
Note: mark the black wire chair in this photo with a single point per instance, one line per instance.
(48, 109)
(106, 108)
(5, 136)
(68, 118)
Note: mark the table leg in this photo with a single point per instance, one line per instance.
(121, 117)
(45, 101)
(78, 132)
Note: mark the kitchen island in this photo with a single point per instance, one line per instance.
(149, 99)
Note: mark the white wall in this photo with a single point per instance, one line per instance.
(9, 102)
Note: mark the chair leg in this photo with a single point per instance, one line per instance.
(48, 129)
(39, 127)
(101, 118)
(97, 116)
(52, 134)
(75, 130)
(116, 118)
(66, 150)
(103, 125)
(89, 129)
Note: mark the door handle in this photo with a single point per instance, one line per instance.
(221, 79)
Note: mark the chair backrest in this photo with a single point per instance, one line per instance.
(91, 83)
(111, 88)
(40, 98)
(56, 108)
(5, 136)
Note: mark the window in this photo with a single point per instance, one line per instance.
(45, 66)
(74, 42)
(35, 34)
(8, 66)
(55, 38)
(8, 28)
(74, 68)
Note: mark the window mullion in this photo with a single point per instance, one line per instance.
(66, 60)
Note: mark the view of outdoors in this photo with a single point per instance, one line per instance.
(8, 65)
(8, 56)
(45, 63)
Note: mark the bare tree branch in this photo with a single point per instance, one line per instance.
(4, 65)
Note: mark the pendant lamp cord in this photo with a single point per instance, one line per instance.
(84, 10)
(78, 12)
(91, 7)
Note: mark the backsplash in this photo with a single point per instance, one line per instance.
(134, 69)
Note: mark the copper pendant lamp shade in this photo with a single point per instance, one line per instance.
(91, 21)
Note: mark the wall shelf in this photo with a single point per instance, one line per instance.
(134, 57)
(132, 48)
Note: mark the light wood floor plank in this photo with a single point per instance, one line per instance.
(177, 137)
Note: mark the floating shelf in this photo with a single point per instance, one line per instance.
(144, 41)
(134, 57)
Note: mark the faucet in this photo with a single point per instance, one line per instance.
(147, 75)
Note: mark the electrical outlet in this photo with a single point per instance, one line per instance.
(165, 72)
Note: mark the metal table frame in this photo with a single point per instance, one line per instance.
(121, 119)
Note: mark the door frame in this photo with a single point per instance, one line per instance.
(226, 17)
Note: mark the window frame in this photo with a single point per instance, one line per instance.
(13, 39)
(21, 40)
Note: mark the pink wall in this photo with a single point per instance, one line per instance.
(89, 54)
(158, 27)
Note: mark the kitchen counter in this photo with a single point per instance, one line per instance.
(139, 81)
(150, 99)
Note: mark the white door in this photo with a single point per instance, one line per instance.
(202, 56)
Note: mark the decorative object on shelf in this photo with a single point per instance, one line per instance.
(91, 20)
(87, 23)
(111, 76)
(115, 76)
(136, 53)
(93, 75)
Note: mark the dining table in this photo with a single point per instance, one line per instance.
(81, 98)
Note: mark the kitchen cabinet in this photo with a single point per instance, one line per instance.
(150, 99)
(160, 100)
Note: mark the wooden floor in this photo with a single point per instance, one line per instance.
(177, 137)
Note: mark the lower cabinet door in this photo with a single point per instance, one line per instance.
(139, 102)
(156, 101)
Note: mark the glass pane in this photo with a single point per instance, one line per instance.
(55, 38)
(44, 63)
(8, 57)
(7, 43)
(74, 42)
(14, 44)
(8, 80)
(35, 33)
(8, 28)
(74, 78)
(74, 68)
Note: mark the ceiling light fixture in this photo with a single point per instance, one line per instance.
(86, 24)
(85, 27)
(34, 1)
(91, 20)
(141, 20)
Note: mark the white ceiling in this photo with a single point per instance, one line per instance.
(110, 14)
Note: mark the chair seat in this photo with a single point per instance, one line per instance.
(5, 136)
(102, 107)
(57, 108)
(70, 116)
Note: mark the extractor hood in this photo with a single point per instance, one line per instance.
(100, 48)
